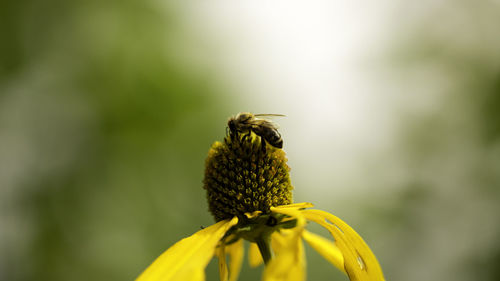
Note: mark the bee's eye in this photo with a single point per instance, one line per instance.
(245, 117)
(231, 125)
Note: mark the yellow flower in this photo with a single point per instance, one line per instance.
(249, 194)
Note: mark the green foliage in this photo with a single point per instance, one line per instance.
(118, 124)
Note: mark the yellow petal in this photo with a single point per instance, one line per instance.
(326, 248)
(292, 212)
(277, 241)
(254, 256)
(235, 252)
(253, 214)
(288, 263)
(296, 206)
(187, 259)
(359, 261)
(220, 252)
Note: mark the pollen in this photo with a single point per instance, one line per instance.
(242, 176)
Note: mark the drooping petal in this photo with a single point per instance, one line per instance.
(359, 261)
(293, 212)
(235, 252)
(187, 259)
(326, 248)
(220, 252)
(254, 256)
(289, 262)
(277, 242)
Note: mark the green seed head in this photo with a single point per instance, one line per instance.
(242, 177)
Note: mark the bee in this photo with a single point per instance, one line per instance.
(246, 122)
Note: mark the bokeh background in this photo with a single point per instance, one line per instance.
(108, 108)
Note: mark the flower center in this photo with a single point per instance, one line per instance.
(244, 174)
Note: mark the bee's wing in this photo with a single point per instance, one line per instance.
(269, 115)
(266, 122)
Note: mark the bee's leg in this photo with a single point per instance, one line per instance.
(233, 134)
(246, 136)
(263, 145)
(230, 134)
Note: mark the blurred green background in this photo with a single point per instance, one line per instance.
(108, 108)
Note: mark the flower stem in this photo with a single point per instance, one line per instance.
(265, 250)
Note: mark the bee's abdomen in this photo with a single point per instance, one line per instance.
(278, 143)
(275, 139)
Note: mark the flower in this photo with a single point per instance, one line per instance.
(249, 194)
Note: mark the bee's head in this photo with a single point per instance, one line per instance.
(231, 124)
(244, 117)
